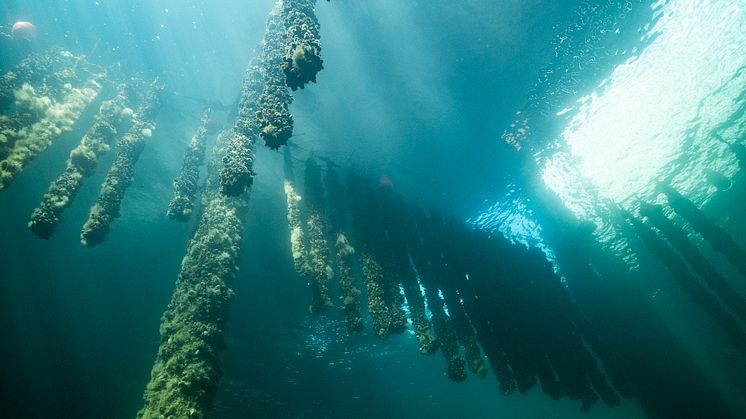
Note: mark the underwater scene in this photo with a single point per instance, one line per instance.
(372, 209)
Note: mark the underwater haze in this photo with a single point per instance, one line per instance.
(372, 209)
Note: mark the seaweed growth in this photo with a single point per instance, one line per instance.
(311, 259)
(236, 174)
(275, 120)
(186, 372)
(31, 70)
(38, 87)
(297, 243)
(291, 60)
(30, 141)
(302, 59)
(442, 279)
(385, 300)
(185, 185)
(47, 71)
(372, 274)
(317, 226)
(122, 172)
(80, 165)
(350, 294)
(345, 255)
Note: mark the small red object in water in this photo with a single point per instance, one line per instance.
(24, 30)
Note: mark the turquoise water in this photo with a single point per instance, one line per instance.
(587, 158)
